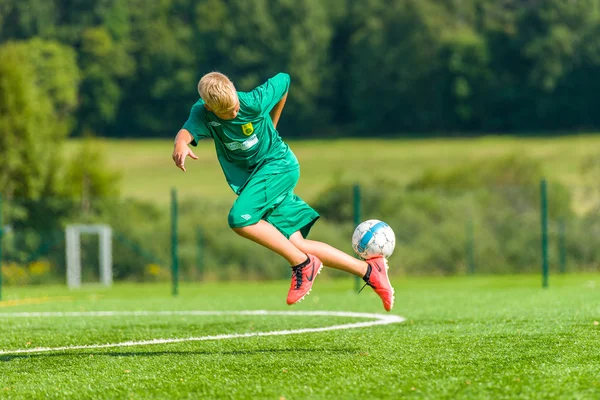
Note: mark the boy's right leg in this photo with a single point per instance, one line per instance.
(330, 256)
(373, 271)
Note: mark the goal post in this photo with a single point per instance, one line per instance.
(73, 252)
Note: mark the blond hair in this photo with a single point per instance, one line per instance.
(218, 92)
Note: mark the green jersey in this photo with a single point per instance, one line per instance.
(249, 142)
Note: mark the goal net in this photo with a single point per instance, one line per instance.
(73, 252)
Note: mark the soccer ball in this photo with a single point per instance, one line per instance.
(373, 238)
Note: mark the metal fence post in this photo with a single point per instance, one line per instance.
(174, 243)
(544, 221)
(357, 207)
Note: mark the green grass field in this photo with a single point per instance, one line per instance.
(149, 173)
(480, 337)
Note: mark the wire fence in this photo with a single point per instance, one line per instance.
(492, 230)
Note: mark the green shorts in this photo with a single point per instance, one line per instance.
(271, 197)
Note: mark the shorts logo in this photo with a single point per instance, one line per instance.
(246, 216)
(247, 129)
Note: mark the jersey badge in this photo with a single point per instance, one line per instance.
(248, 129)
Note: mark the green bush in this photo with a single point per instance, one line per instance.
(499, 199)
(431, 216)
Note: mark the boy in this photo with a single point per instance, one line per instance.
(263, 171)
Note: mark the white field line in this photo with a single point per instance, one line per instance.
(378, 319)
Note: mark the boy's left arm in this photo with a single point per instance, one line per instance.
(271, 96)
(275, 113)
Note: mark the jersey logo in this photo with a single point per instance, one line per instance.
(245, 145)
(214, 123)
(247, 129)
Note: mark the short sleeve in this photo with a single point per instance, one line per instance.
(273, 90)
(195, 124)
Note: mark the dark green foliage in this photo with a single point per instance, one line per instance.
(43, 190)
(363, 67)
(255, 39)
(86, 177)
(38, 91)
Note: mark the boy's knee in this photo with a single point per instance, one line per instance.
(298, 241)
(238, 219)
(240, 222)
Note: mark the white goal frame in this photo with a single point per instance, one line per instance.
(73, 252)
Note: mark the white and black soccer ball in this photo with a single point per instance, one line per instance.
(373, 238)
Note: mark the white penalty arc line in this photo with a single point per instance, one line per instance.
(377, 319)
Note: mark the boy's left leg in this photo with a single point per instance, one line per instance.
(268, 236)
(305, 266)
(330, 256)
(263, 194)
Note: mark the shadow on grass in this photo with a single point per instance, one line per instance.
(8, 358)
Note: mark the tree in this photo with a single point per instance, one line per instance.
(101, 33)
(24, 19)
(543, 62)
(254, 39)
(38, 97)
(104, 65)
(162, 90)
(396, 68)
(30, 120)
(86, 176)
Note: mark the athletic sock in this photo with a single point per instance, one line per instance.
(366, 278)
(368, 274)
(302, 264)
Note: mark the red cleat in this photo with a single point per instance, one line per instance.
(303, 278)
(378, 279)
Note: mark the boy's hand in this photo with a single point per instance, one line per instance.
(180, 152)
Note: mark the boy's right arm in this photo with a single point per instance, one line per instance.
(181, 148)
